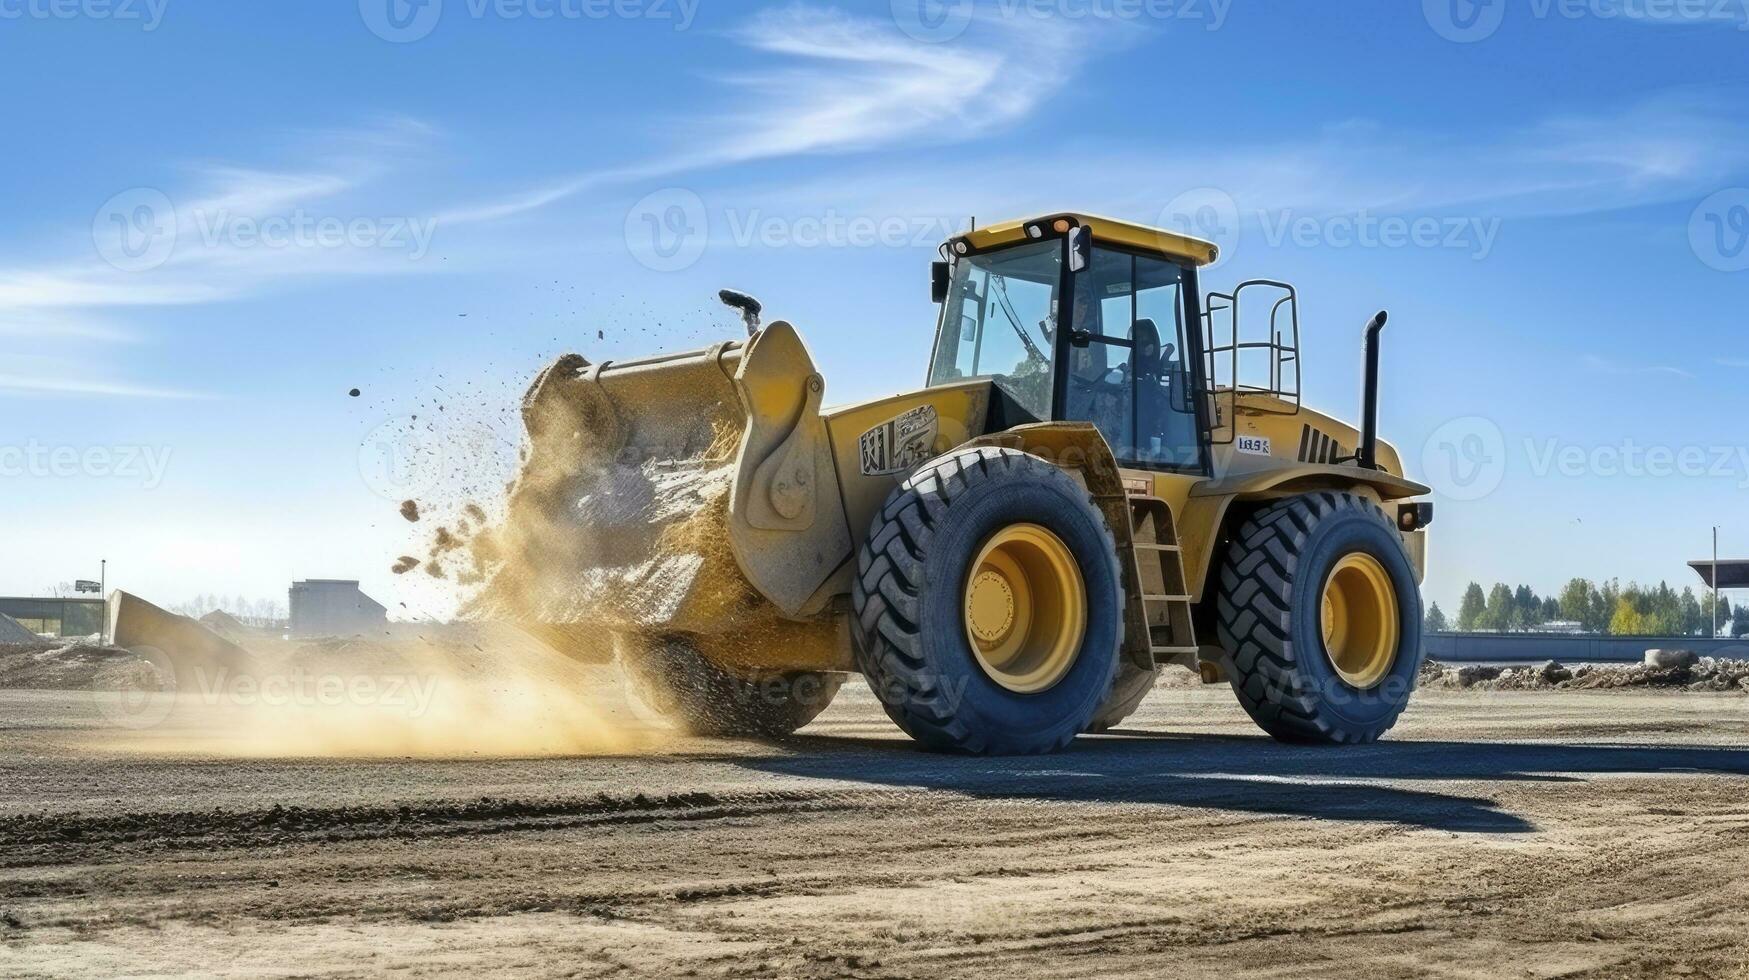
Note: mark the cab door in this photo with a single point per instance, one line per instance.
(1128, 362)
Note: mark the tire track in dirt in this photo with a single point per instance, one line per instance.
(30, 840)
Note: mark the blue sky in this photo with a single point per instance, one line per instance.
(223, 216)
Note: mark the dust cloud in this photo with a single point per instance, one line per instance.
(486, 693)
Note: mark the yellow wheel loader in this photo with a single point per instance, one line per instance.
(1106, 472)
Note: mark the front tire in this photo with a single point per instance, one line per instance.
(670, 678)
(1319, 608)
(988, 605)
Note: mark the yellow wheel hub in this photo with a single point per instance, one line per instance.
(1360, 620)
(1025, 608)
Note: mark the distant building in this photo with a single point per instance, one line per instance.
(58, 617)
(1559, 626)
(334, 607)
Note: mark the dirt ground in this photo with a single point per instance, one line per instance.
(1496, 834)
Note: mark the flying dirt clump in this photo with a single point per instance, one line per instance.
(410, 510)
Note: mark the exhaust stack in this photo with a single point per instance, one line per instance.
(1369, 405)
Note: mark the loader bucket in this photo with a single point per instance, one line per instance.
(651, 489)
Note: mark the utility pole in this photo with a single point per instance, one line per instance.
(1715, 622)
(103, 591)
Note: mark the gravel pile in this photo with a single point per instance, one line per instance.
(1700, 674)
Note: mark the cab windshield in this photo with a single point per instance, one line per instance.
(1000, 321)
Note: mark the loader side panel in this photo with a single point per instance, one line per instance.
(876, 444)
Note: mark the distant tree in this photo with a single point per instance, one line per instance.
(1626, 621)
(1472, 608)
(1436, 620)
(1576, 600)
(1712, 621)
(1527, 609)
(1740, 621)
(1603, 603)
(1693, 618)
(1551, 609)
(1499, 613)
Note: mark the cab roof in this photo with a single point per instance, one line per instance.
(1140, 237)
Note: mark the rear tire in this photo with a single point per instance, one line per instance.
(1270, 616)
(668, 676)
(917, 604)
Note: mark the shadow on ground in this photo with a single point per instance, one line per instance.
(1252, 774)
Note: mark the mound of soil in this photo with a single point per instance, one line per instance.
(11, 631)
(1706, 674)
(59, 665)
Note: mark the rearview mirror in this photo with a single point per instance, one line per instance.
(1080, 248)
(938, 280)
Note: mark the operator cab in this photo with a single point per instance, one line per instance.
(1121, 352)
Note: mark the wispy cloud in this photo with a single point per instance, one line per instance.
(1671, 147)
(1602, 365)
(226, 231)
(858, 84)
(14, 384)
